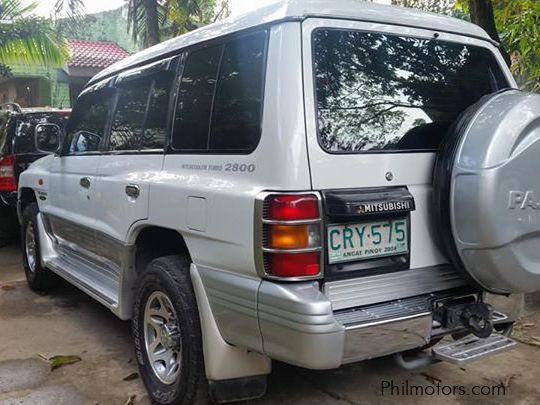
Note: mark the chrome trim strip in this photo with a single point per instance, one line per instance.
(295, 222)
(304, 250)
(384, 321)
(391, 286)
(378, 313)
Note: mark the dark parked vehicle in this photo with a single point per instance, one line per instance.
(17, 152)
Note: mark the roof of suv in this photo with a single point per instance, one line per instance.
(301, 9)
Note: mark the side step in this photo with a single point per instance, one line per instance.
(472, 348)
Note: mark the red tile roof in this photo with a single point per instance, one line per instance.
(95, 54)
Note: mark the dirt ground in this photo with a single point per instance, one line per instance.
(69, 323)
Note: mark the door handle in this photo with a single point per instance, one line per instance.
(85, 182)
(133, 191)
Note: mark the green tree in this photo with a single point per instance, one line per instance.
(25, 38)
(144, 21)
(72, 10)
(182, 16)
(518, 22)
(151, 21)
(435, 6)
(513, 23)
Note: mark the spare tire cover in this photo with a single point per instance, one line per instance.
(487, 192)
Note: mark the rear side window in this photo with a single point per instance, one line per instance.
(195, 99)
(87, 125)
(236, 121)
(379, 92)
(220, 97)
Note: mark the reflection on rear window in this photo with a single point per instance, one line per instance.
(378, 92)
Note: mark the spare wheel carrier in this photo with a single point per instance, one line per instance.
(487, 192)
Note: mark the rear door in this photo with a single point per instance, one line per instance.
(379, 100)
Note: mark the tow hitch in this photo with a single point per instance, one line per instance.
(465, 313)
(476, 317)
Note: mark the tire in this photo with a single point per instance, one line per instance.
(165, 288)
(8, 225)
(38, 277)
(485, 193)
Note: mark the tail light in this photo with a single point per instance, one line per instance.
(290, 234)
(8, 180)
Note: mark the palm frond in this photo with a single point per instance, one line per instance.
(31, 40)
(11, 9)
(72, 14)
(136, 20)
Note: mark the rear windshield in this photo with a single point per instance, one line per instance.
(379, 92)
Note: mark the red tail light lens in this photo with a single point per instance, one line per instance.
(294, 264)
(8, 180)
(292, 207)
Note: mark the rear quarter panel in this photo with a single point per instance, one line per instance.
(210, 199)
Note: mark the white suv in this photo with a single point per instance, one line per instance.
(318, 182)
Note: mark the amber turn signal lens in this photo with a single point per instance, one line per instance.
(288, 236)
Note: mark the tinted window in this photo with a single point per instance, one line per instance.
(87, 126)
(381, 92)
(155, 127)
(127, 122)
(236, 123)
(191, 124)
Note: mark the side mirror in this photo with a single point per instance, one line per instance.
(85, 141)
(48, 138)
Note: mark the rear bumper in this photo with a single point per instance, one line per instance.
(298, 324)
(309, 334)
(299, 327)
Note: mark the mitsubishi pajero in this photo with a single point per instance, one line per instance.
(316, 182)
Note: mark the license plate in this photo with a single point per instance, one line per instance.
(367, 240)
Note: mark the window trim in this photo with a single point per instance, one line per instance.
(380, 32)
(64, 151)
(222, 41)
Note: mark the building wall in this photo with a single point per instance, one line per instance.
(60, 97)
(50, 90)
(110, 26)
